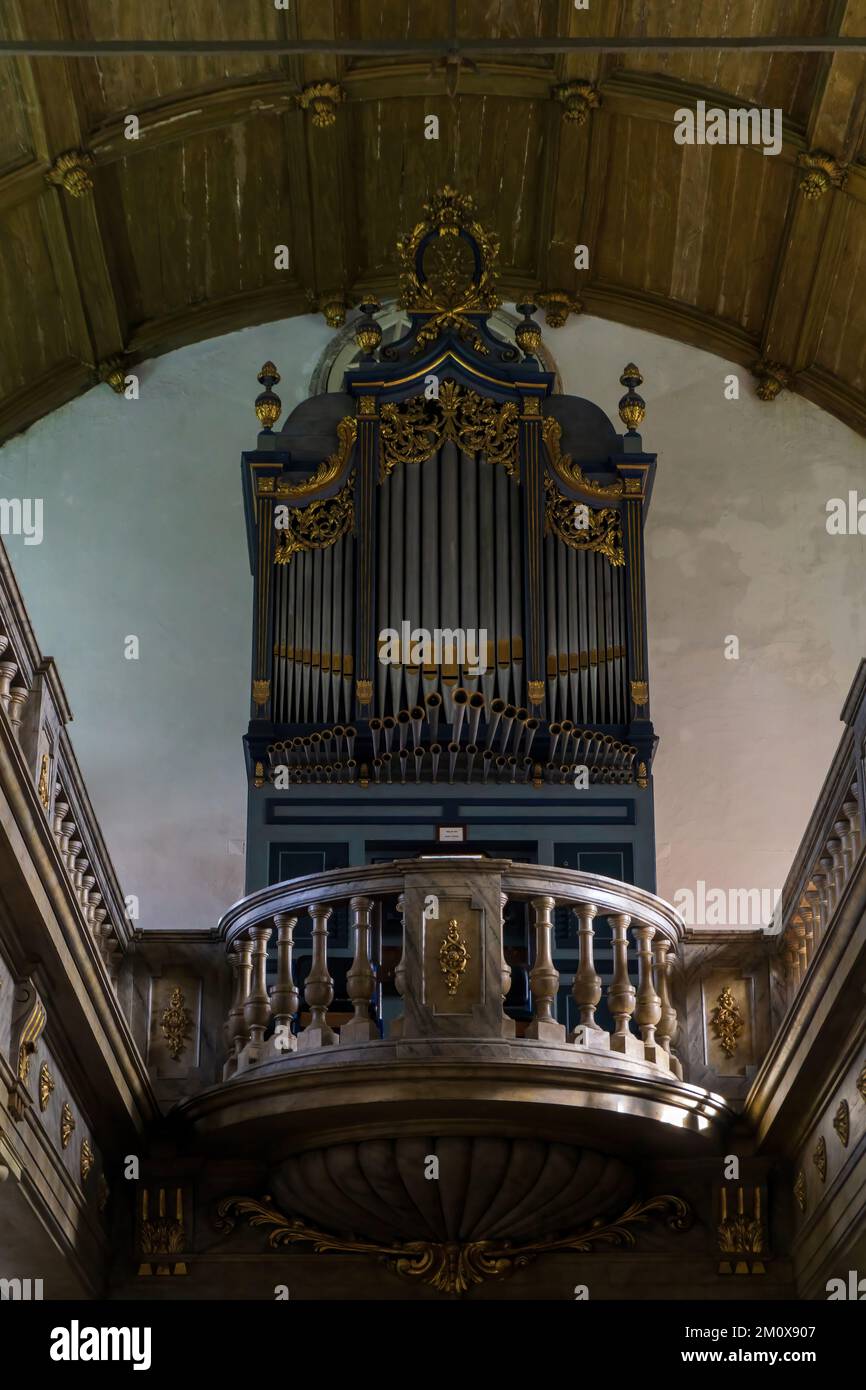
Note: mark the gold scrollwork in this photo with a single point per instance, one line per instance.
(87, 1160)
(318, 525)
(453, 955)
(452, 1268)
(326, 473)
(727, 1022)
(567, 470)
(176, 1023)
(67, 1125)
(412, 431)
(43, 789)
(603, 532)
(448, 284)
(800, 1192)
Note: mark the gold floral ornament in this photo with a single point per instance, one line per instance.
(819, 1158)
(577, 99)
(317, 526)
(453, 955)
(453, 1268)
(861, 1084)
(411, 432)
(71, 171)
(800, 1190)
(321, 99)
(603, 531)
(67, 1125)
(822, 172)
(727, 1022)
(43, 789)
(449, 266)
(175, 1023)
(87, 1160)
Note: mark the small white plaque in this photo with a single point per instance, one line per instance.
(451, 833)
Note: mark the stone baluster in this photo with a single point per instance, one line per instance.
(61, 810)
(8, 672)
(73, 850)
(80, 867)
(805, 911)
(361, 979)
(812, 898)
(94, 902)
(509, 1028)
(621, 996)
(319, 987)
(849, 834)
(586, 990)
(395, 1029)
(852, 815)
(544, 977)
(829, 891)
(649, 1005)
(667, 1029)
(238, 1034)
(257, 1005)
(67, 829)
(88, 881)
(834, 845)
(18, 697)
(799, 933)
(230, 1066)
(284, 995)
(793, 960)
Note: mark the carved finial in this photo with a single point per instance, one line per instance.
(528, 333)
(268, 404)
(112, 372)
(823, 172)
(334, 309)
(773, 377)
(70, 171)
(368, 334)
(322, 100)
(578, 99)
(632, 407)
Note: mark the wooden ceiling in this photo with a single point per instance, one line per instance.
(713, 245)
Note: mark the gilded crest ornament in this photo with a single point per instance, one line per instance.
(453, 955)
(71, 171)
(800, 1190)
(819, 1158)
(67, 1125)
(175, 1023)
(727, 1022)
(640, 692)
(261, 692)
(43, 790)
(46, 1086)
(412, 431)
(320, 524)
(87, 1160)
(842, 1123)
(603, 532)
(442, 275)
(453, 1268)
(328, 471)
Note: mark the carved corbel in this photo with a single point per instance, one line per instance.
(28, 1022)
(772, 378)
(822, 172)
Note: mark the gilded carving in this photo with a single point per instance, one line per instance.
(800, 1190)
(268, 404)
(261, 692)
(557, 305)
(535, 692)
(640, 692)
(453, 955)
(176, 1023)
(632, 407)
(412, 431)
(842, 1122)
(727, 1022)
(87, 1160)
(773, 377)
(452, 1268)
(603, 533)
(67, 1125)
(327, 472)
(819, 1158)
(823, 172)
(321, 99)
(71, 171)
(318, 525)
(364, 691)
(577, 99)
(440, 276)
(567, 470)
(43, 789)
(861, 1083)
(46, 1086)
(740, 1233)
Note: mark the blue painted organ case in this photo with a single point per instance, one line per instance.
(449, 490)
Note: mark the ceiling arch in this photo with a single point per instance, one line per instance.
(116, 249)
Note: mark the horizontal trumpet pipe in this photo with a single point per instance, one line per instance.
(388, 724)
(555, 733)
(531, 730)
(377, 769)
(418, 755)
(453, 750)
(471, 755)
(351, 735)
(404, 719)
(433, 703)
(353, 768)
(567, 732)
(460, 699)
(404, 762)
(375, 732)
(435, 755)
(416, 714)
(519, 726)
(512, 763)
(487, 759)
(508, 718)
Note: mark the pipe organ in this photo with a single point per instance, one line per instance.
(448, 556)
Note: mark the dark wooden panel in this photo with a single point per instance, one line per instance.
(31, 303)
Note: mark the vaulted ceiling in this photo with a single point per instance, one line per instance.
(131, 247)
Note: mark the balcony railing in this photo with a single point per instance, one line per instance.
(830, 851)
(34, 707)
(453, 977)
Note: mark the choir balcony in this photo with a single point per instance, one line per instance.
(342, 1101)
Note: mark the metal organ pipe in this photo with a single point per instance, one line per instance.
(508, 718)
(471, 755)
(388, 724)
(404, 719)
(416, 714)
(375, 731)
(460, 699)
(476, 707)
(497, 709)
(453, 750)
(433, 701)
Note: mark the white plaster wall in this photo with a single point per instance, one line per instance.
(144, 534)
